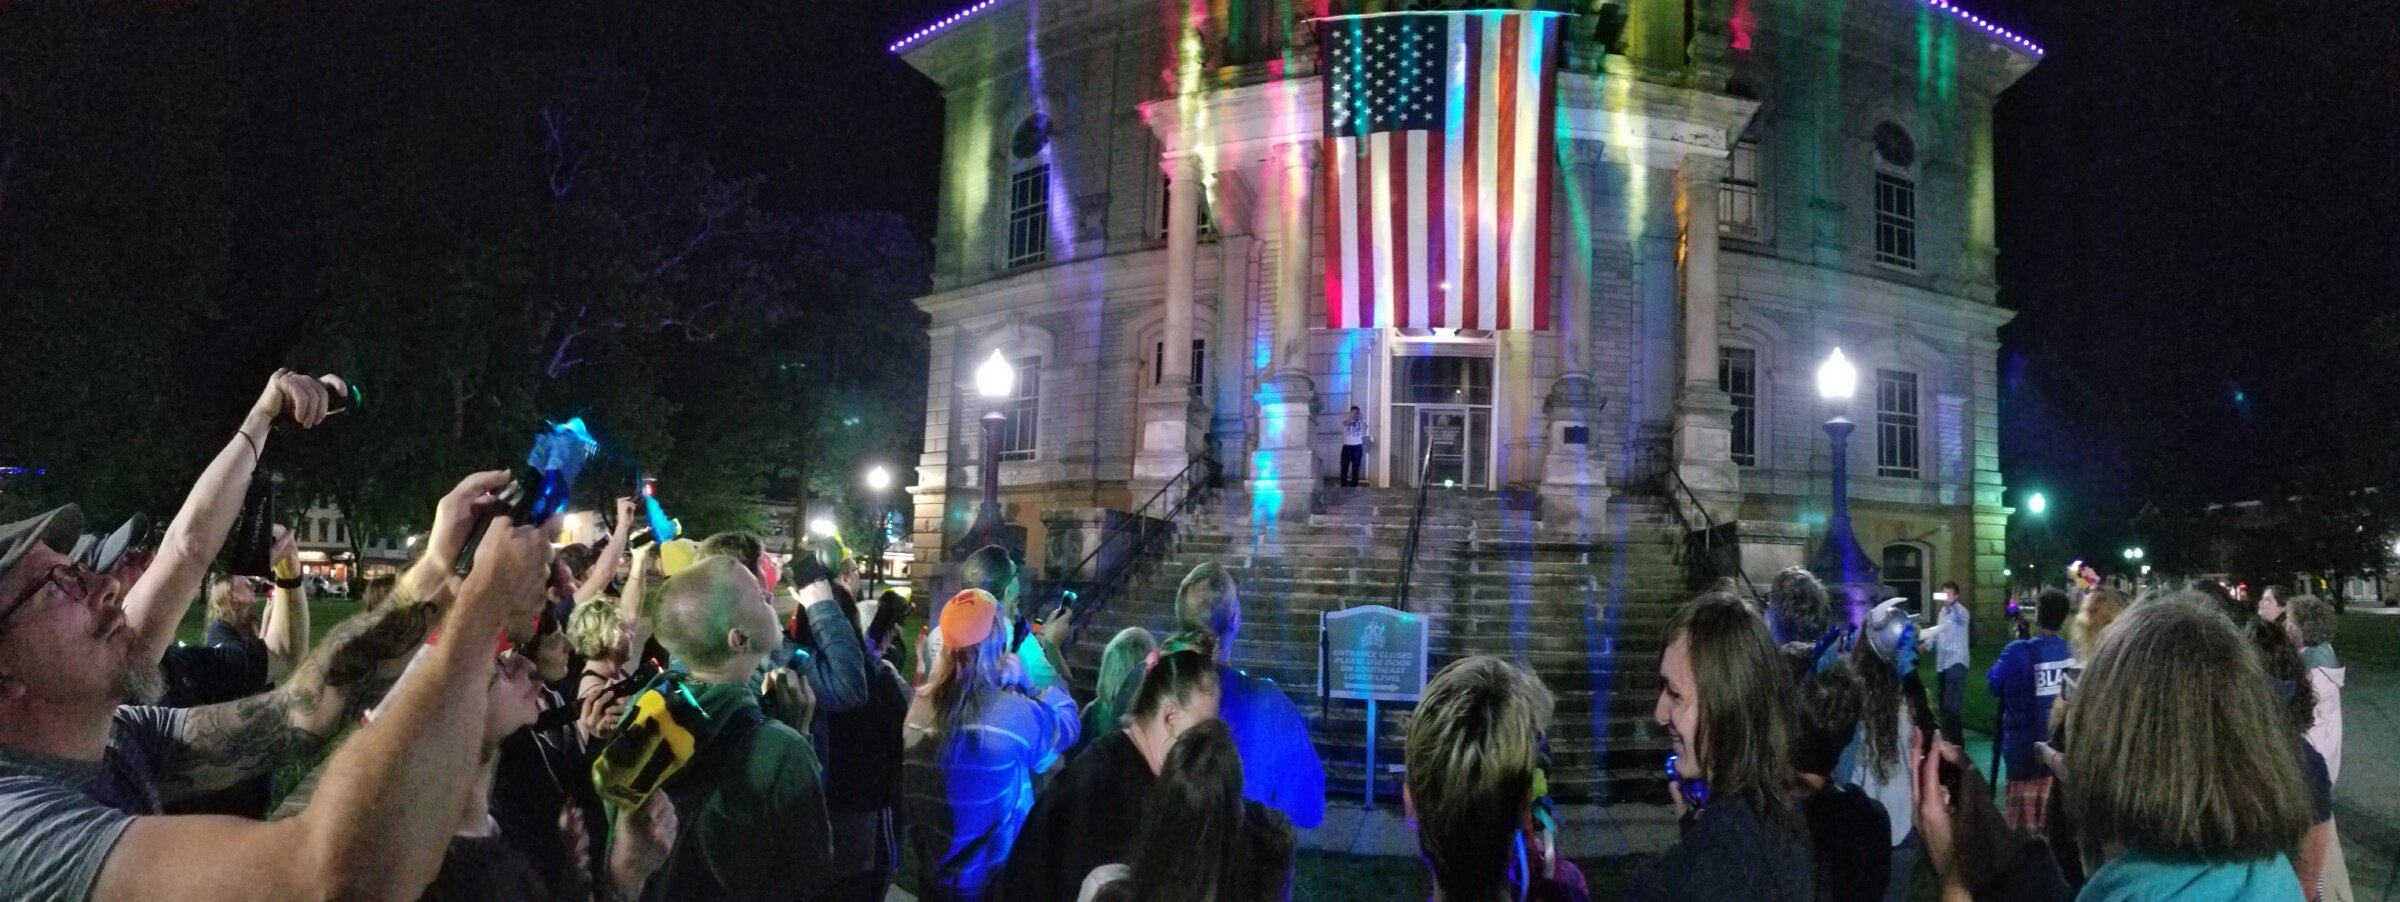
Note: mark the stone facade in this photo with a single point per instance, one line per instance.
(1653, 277)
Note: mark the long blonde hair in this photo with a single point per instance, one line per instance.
(2179, 747)
(954, 692)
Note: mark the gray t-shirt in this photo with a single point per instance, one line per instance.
(59, 819)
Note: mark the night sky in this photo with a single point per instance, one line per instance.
(2198, 198)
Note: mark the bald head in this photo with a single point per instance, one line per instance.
(714, 616)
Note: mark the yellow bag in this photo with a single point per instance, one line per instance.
(656, 738)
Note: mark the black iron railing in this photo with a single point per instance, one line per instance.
(1416, 522)
(1704, 537)
(1133, 538)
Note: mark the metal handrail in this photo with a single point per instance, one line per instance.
(1708, 535)
(1145, 527)
(1416, 520)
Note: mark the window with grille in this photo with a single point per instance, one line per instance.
(1897, 417)
(1737, 377)
(1158, 362)
(1737, 196)
(1166, 193)
(1021, 435)
(1895, 220)
(1029, 216)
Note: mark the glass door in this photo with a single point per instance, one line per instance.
(1441, 406)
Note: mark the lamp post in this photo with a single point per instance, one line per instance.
(878, 479)
(995, 380)
(1839, 560)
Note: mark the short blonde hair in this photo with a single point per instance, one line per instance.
(2099, 609)
(2180, 749)
(597, 628)
(1473, 749)
(2313, 619)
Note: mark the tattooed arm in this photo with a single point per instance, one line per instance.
(349, 673)
(390, 796)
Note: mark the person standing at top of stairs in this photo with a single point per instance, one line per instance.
(1354, 448)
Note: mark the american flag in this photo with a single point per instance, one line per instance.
(1440, 157)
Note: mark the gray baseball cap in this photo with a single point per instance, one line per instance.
(57, 528)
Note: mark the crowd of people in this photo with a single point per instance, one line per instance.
(2206, 730)
(506, 719)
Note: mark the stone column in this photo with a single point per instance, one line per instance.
(1283, 476)
(1169, 436)
(1703, 414)
(1574, 493)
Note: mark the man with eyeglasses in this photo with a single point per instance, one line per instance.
(85, 768)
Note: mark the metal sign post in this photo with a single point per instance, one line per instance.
(1374, 654)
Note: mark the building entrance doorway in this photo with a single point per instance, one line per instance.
(1441, 416)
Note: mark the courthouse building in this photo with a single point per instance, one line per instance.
(1567, 250)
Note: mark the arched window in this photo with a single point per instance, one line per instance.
(1895, 197)
(1905, 565)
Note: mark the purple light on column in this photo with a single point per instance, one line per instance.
(1988, 28)
(935, 28)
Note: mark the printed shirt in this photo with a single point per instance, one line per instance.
(1354, 431)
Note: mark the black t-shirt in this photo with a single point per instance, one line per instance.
(1850, 833)
(228, 666)
(1089, 816)
(538, 771)
(863, 748)
(1731, 851)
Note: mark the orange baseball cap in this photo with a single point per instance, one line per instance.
(968, 618)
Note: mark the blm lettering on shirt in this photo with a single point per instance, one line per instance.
(2048, 678)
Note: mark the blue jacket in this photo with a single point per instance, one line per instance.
(2027, 680)
(2134, 878)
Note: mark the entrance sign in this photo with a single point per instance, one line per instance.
(1375, 653)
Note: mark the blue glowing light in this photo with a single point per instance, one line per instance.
(947, 21)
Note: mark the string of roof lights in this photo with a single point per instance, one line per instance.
(1943, 5)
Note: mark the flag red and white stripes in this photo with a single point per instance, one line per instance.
(1440, 155)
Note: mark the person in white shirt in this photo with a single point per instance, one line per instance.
(1354, 448)
(1948, 639)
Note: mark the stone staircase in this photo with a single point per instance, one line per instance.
(1587, 617)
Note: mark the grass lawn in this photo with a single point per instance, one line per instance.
(2368, 639)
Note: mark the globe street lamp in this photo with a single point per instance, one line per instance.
(2037, 504)
(878, 479)
(1839, 560)
(996, 381)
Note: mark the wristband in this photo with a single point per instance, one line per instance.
(292, 583)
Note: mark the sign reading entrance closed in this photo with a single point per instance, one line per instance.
(1374, 652)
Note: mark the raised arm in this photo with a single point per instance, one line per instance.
(380, 821)
(156, 602)
(285, 626)
(604, 567)
(629, 605)
(359, 662)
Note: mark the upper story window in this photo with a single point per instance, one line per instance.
(1897, 420)
(1737, 377)
(1737, 196)
(1166, 195)
(1158, 362)
(1029, 216)
(1895, 197)
(1021, 435)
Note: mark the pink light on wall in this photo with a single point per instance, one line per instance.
(936, 28)
(1988, 27)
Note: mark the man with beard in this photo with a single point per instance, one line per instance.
(84, 772)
